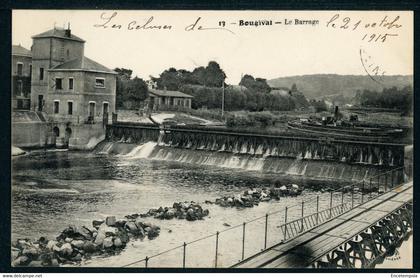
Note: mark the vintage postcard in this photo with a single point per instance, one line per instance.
(212, 139)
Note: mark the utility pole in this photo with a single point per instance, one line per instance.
(223, 97)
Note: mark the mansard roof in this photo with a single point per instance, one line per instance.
(19, 50)
(58, 33)
(83, 64)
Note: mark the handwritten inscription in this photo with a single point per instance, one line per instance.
(110, 21)
(375, 31)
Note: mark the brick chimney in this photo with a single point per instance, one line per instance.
(68, 31)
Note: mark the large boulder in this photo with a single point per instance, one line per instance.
(130, 226)
(31, 252)
(118, 242)
(89, 247)
(78, 243)
(170, 213)
(66, 250)
(22, 243)
(120, 223)
(111, 221)
(73, 232)
(35, 264)
(21, 261)
(14, 253)
(107, 230)
(153, 232)
(97, 223)
(99, 239)
(108, 242)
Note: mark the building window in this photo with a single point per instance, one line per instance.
(100, 82)
(70, 83)
(56, 106)
(105, 108)
(41, 73)
(59, 83)
(19, 69)
(68, 54)
(20, 87)
(70, 107)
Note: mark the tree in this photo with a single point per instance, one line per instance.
(132, 91)
(257, 85)
(214, 75)
(124, 74)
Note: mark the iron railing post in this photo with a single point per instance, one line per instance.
(317, 209)
(243, 241)
(266, 226)
(183, 257)
(379, 181)
(342, 199)
(301, 220)
(386, 182)
(392, 179)
(363, 189)
(331, 201)
(217, 248)
(352, 195)
(285, 223)
(370, 188)
(146, 262)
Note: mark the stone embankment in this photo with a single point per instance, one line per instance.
(75, 244)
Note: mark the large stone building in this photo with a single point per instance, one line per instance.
(21, 77)
(75, 94)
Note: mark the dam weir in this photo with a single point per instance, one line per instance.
(308, 157)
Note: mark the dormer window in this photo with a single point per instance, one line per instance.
(99, 82)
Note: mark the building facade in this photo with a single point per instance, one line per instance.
(168, 99)
(75, 94)
(21, 77)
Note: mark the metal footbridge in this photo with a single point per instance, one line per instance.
(353, 226)
(359, 238)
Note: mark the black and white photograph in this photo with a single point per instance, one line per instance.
(229, 139)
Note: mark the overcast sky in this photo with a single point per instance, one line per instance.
(264, 51)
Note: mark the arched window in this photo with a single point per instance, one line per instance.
(56, 131)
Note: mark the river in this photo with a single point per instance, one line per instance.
(53, 189)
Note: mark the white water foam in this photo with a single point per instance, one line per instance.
(142, 151)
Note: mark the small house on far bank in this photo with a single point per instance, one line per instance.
(170, 99)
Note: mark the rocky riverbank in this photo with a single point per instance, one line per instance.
(190, 211)
(74, 244)
(253, 197)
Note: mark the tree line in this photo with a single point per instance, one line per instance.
(390, 98)
(206, 85)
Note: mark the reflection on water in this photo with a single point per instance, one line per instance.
(54, 189)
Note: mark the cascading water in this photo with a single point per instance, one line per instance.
(301, 167)
(307, 158)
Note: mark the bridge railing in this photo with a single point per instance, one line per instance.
(240, 242)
